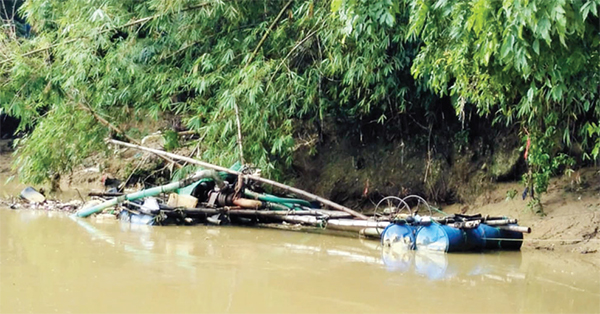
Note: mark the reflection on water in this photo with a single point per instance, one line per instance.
(52, 263)
(439, 266)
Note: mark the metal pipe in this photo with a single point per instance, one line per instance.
(464, 224)
(520, 229)
(500, 222)
(354, 225)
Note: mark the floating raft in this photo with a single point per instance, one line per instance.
(397, 226)
(429, 234)
(232, 196)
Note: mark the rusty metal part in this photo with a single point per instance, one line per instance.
(247, 203)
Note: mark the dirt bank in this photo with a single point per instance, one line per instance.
(571, 212)
(570, 223)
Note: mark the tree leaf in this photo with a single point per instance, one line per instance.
(336, 5)
(536, 46)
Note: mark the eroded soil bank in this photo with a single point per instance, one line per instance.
(570, 222)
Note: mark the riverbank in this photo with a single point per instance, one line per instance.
(571, 220)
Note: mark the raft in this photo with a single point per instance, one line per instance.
(212, 198)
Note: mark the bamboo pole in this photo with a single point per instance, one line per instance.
(271, 213)
(255, 178)
(371, 232)
(299, 216)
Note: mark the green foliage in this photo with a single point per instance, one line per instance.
(461, 139)
(355, 62)
(533, 62)
(171, 140)
(193, 60)
(510, 194)
(53, 148)
(593, 130)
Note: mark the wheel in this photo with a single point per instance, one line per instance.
(420, 201)
(391, 206)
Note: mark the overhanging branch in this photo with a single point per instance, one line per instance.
(132, 23)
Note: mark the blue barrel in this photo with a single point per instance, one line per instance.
(496, 238)
(399, 236)
(442, 238)
(476, 239)
(514, 240)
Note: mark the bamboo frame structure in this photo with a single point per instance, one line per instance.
(282, 186)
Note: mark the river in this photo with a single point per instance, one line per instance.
(50, 262)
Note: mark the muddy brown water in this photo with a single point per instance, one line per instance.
(50, 262)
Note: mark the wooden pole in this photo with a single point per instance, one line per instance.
(282, 186)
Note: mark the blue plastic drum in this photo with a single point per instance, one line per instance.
(441, 238)
(496, 238)
(475, 238)
(398, 236)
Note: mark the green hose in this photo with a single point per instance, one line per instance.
(288, 202)
(276, 206)
(84, 212)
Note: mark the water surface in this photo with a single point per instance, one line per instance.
(50, 262)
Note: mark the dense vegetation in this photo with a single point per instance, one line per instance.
(291, 67)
